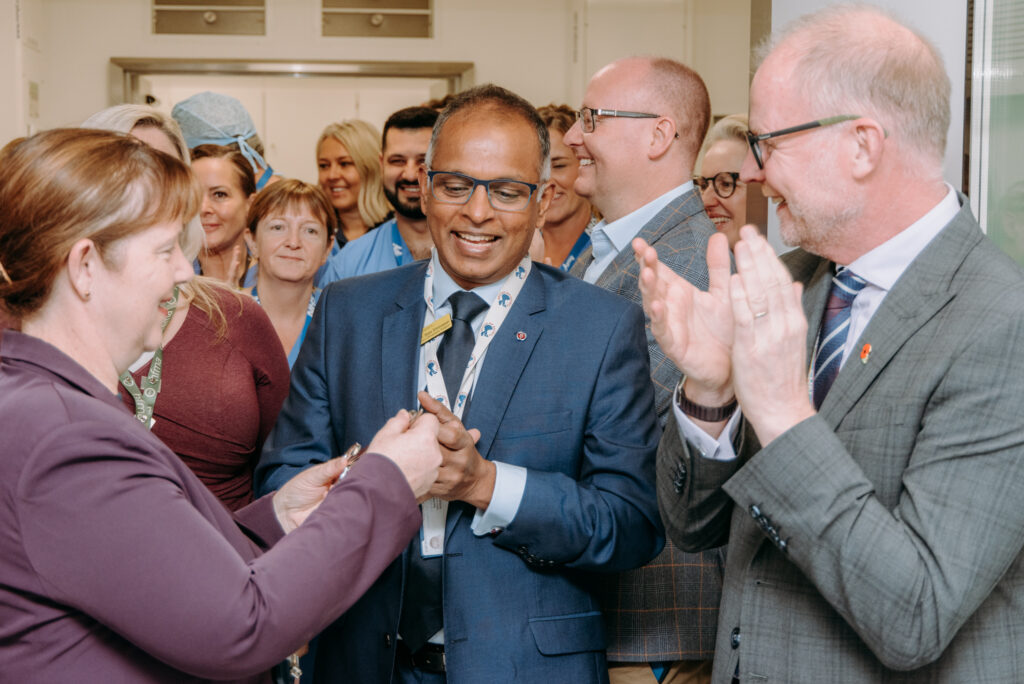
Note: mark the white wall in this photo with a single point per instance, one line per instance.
(519, 44)
(538, 48)
(721, 53)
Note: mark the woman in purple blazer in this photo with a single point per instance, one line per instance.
(116, 563)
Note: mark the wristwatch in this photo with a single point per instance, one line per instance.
(708, 414)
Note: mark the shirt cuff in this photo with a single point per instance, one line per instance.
(509, 485)
(720, 449)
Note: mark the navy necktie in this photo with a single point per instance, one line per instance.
(458, 342)
(834, 327)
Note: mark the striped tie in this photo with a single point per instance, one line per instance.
(832, 338)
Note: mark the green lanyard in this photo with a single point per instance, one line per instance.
(145, 398)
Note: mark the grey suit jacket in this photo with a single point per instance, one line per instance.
(665, 610)
(880, 540)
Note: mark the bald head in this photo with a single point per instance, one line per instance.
(669, 88)
(627, 161)
(857, 59)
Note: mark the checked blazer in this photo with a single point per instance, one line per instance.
(880, 541)
(667, 609)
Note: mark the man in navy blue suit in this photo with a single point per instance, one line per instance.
(542, 385)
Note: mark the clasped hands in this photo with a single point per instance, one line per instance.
(412, 445)
(744, 338)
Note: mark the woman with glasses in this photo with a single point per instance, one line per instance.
(724, 194)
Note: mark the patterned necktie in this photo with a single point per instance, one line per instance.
(834, 327)
(457, 345)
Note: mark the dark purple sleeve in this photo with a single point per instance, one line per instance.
(260, 522)
(113, 530)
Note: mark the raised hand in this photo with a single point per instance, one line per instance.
(694, 328)
(769, 358)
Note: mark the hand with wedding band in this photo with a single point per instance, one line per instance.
(769, 363)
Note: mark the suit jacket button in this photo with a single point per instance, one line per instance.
(734, 638)
(387, 641)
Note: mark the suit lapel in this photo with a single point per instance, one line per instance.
(921, 292)
(579, 268)
(624, 265)
(400, 337)
(503, 365)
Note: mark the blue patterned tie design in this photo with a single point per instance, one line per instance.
(834, 327)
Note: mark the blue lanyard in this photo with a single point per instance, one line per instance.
(581, 244)
(403, 255)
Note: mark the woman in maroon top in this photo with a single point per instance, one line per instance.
(221, 380)
(116, 563)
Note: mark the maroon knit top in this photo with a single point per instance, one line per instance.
(220, 395)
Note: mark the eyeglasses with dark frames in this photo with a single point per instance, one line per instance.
(754, 139)
(504, 194)
(588, 116)
(724, 183)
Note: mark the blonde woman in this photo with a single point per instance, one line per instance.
(348, 160)
(724, 194)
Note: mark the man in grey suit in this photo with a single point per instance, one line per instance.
(869, 487)
(637, 138)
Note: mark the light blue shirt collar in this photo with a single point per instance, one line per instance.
(622, 231)
(444, 286)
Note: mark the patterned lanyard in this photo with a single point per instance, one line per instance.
(495, 316)
(435, 511)
(145, 399)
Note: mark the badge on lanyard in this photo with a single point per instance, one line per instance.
(435, 511)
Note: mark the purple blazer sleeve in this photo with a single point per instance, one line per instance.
(114, 529)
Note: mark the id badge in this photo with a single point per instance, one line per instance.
(435, 513)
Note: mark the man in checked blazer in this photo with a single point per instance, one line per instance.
(878, 537)
(637, 138)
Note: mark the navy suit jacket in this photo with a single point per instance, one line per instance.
(565, 392)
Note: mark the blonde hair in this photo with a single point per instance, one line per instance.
(729, 128)
(362, 141)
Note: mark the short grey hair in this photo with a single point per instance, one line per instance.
(123, 118)
(502, 99)
(860, 59)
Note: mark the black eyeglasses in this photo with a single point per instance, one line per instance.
(588, 116)
(724, 183)
(449, 187)
(755, 139)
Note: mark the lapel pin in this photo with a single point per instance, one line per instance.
(865, 353)
(520, 336)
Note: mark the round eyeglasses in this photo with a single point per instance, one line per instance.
(449, 187)
(723, 182)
